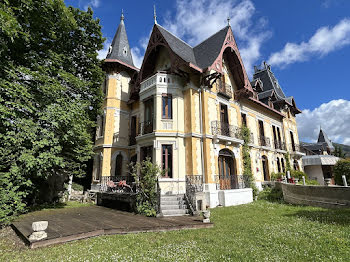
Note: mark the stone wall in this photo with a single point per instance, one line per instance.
(322, 196)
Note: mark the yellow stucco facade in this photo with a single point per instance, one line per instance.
(192, 125)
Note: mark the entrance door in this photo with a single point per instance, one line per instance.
(227, 174)
(265, 165)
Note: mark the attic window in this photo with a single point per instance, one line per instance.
(125, 51)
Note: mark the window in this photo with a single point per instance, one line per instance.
(283, 167)
(223, 114)
(244, 119)
(167, 160)
(97, 167)
(118, 165)
(100, 133)
(278, 165)
(167, 106)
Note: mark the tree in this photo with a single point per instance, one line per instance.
(342, 167)
(338, 151)
(50, 95)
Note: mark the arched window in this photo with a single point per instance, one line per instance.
(227, 170)
(118, 165)
(265, 166)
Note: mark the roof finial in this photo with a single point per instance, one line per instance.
(228, 21)
(154, 14)
(122, 16)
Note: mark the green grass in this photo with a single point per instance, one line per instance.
(261, 231)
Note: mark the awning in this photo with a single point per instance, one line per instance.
(320, 160)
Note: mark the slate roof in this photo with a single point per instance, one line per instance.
(207, 51)
(265, 94)
(204, 54)
(269, 80)
(120, 48)
(178, 46)
(323, 138)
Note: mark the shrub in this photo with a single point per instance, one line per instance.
(298, 174)
(146, 181)
(275, 176)
(342, 167)
(271, 194)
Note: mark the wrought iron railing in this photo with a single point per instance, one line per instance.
(225, 89)
(265, 141)
(295, 147)
(224, 129)
(280, 145)
(117, 184)
(146, 127)
(231, 182)
(194, 184)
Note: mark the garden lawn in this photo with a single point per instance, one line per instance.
(261, 231)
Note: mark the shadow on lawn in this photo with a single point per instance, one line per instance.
(329, 216)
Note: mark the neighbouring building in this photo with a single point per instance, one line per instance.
(318, 163)
(184, 109)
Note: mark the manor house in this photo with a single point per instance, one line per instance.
(184, 108)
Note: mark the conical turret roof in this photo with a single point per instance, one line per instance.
(120, 48)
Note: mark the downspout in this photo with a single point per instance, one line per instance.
(201, 129)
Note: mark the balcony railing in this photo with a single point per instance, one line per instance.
(146, 127)
(231, 182)
(225, 89)
(224, 129)
(196, 181)
(117, 184)
(265, 141)
(280, 145)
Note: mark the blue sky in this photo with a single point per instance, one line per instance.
(306, 42)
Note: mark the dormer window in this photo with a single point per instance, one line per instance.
(125, 51)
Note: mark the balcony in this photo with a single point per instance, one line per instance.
(224, 129)
(296, 150)
(225, 90)
(280, 145)
(226, 132)
(159, 79)
(146, 127)
(264, 141)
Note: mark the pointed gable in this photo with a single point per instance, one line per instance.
(207, 51)
(178, 46)
(120, 48)
(323, 138)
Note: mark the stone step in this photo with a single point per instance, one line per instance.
(172, 197)
(171, 202)
(172, 207)
(177, 212)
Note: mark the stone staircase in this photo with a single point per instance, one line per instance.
(173, 205)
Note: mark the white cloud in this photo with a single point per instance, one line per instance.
(324, 41)
(137, 57)
(92, 4)
(334, 117)
(103, 53)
